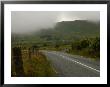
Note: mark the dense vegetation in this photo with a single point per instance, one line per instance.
(79, 37)
(30, 63)
(88, 47)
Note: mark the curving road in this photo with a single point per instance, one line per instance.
(66, 65)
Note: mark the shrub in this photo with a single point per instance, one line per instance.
(90, 46)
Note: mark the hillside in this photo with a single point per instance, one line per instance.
(64, 31)
(78, 26)
(71, 30)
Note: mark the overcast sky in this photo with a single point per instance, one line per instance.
(28, 21)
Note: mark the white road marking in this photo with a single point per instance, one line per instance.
(84, 65)
(75, 61)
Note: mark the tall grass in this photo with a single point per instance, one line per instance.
(36, 66)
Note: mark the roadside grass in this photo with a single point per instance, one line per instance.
(85, 53)
(36, 66)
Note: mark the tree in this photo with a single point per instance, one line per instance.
(79, 45)
(57, 46)
(84, 43)
(95, 45)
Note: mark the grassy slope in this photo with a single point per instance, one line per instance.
(36, 66)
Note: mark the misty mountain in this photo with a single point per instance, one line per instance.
(65, 31)
(81, 26)
(70, 30)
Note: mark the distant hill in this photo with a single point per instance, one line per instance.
(70, 30)
(81, 26)
(67, 31)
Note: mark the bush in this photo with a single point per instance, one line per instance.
(84, 43)
(79, 45)
(95, 44)
(89, 46)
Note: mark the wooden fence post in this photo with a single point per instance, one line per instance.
(17, 59)
(29, 50)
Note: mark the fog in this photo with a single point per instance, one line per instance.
(30, 21)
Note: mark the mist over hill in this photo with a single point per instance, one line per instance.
(68, 30)
(27, 22)
(62, 31)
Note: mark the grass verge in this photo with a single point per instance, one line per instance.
(36, 66)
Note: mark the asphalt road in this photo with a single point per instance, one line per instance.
(66, 65)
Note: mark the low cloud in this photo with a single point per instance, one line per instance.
(29, 21)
